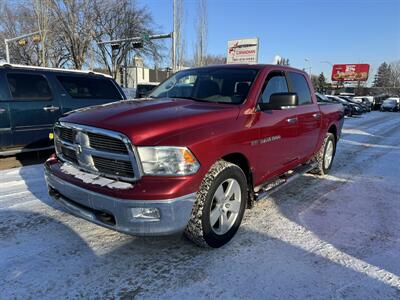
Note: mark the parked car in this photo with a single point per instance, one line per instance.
(390, 104)
(364, 101)
(144, 89)
(363, 107)
(193, 163)
(141, 91)
(378, 100)
(324, 99)
(33, 98)
(355, 109)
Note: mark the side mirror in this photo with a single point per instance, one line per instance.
(280, 101)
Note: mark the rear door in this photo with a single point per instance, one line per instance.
(278, 130)
(308, 114)
(81, 91)
(5, 124)
(33, 108)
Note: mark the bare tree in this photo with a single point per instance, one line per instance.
(179, 34)
(122, 19)
(201, 42)
(42, 10)
(210, 59)
(70, 29)
(395, 74)
(75, 20)
(15, 20)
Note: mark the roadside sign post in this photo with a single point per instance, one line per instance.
(243, 51)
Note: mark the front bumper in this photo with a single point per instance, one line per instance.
(116, 213)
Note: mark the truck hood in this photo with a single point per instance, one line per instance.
(148, 121)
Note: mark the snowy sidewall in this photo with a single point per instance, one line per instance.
(199, 229)
(320, 156)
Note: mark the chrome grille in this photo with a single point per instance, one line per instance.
(97, 151)
(107, 143)
(69, 154)
(67, 134)
(115, 167)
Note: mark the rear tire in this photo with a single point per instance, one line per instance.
(324, 157)
(219, 206)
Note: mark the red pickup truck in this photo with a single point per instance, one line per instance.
(204, 146)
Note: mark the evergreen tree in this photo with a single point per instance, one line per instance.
(383, 76)
(314, 81)
(321, 82)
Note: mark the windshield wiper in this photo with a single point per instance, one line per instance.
(189, 98)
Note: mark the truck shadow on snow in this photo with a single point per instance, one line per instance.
(48, 257)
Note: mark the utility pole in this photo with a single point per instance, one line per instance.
(174, 33)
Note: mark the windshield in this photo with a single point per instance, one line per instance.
(145, 88)
(221, 85)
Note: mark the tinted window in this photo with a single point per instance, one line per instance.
(300, 86)
(89, 88)
(275, 84)
(223, 85)
(28, 87)
(144, 89)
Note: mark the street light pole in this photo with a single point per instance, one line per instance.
(309, 64)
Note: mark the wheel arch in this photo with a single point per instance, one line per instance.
(242, 162)
(333, 129)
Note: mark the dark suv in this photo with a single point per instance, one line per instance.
(33, 98)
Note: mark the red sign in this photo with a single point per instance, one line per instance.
(347, 72)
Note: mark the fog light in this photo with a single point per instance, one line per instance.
(145, 213)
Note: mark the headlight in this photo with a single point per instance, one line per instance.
(168, 161)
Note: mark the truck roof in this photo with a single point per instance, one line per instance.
(252, 66)
(16, 66)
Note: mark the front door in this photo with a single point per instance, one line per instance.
(33, 109)
(278, 131)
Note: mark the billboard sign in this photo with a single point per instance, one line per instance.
(350, 72)
(244, 51)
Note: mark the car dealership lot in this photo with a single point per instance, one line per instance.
(321, 237)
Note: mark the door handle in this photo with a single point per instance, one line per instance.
(51, 108)
(292, 120)
(317, 116)
(2, 110)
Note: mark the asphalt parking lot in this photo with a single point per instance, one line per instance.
(327, 237)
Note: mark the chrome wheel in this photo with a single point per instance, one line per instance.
(328, 154)
(225, 206)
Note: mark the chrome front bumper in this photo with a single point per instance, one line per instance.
(116, 213)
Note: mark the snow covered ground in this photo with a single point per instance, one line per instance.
(331, 237)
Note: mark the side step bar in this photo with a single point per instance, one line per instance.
(271, 186)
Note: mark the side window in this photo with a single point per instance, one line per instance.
(28, 87)
(300, 86)
(89, 88)
(276, 83)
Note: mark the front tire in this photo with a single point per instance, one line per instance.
(325, 155)
(219, 206)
